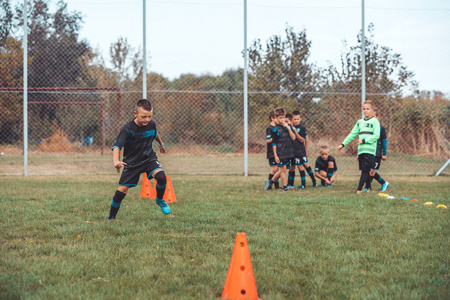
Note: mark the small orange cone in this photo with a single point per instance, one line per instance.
(146, 189)
(240, 282)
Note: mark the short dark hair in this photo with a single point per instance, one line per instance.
(144, 104)
(279, 112)
(296, 113)
(289, 116)
(376, 111)
(271, 115)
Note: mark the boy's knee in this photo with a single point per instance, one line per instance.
(123, 189)
(330, 165)
(160, 177)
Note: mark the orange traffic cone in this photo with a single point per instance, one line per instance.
(146, 189)
(169, 195)
(240, 282)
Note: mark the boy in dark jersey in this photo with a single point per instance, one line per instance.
(380, 154)
(136, 138)
(273, 165)
(326, 167)
(283, 150)
(291, 165)
(300, 147)
(368, 129)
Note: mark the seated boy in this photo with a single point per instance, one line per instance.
(326, 167)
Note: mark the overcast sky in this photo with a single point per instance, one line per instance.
(206, 36)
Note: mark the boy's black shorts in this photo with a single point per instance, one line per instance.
(366, 162)
(284, 162)
(130, 175)
(291, 164)
(272, 162)
(377, 163)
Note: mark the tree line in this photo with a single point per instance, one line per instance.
(207, 109)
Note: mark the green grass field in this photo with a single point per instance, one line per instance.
(315, 244)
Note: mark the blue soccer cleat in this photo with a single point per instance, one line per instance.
(268, 185)
(164, 207)
(384, 186)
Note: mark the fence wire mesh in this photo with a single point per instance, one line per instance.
(85, 75)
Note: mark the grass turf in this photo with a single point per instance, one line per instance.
(317, 243)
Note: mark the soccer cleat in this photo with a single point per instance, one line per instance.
(291, 187)
(329, 185)
(302, 187)
(164, 207)
(110, 219)
(359, 192)
(314, 184)
(268, 185)
(286, 189)
(369, 191)
(384, 186)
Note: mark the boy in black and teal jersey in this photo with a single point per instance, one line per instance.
(300, 151)
(368, 130)
(283, 150)
(326, 167)
(380, 154)
(272, 163)
(137, 138)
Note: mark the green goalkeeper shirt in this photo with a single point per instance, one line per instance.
(369, 132)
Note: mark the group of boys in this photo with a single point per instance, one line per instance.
(287, 144)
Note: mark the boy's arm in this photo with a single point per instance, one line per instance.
(116, 158)
(268, 136)
(334, 176)
(298, 136)
(291, 132)
(158, 139)
(274, 147)
(350, 137)
(383, 142)
(306, 144)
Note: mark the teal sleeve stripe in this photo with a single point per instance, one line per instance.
(115, 147)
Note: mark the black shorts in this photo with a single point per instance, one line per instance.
(130, 175)
(377, 163)
(366, 162)
(303, 160)
(284, 162)
(291, 164)
(272, 162)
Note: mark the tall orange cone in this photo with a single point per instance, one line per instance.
(146, 189)
(169, 195)
(240, 282)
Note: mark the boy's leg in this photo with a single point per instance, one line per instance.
(330, 171)
(161, 181)
(291, 177)
(283, 177)
(366, 162)
(121, 192)
(301, 170)
(310, 172)
(129, 178)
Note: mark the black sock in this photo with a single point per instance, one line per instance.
(362, 180)
(270, 176)
(379, 179)
(369, 182)
(330, 172)
(277, 184)
(115, 204)
(303, 177)
(160, 184)
(291, 178)
(322, 182)
(311, 174)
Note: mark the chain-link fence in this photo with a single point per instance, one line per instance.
(300, 58)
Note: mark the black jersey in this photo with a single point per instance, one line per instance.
(283, 141)
(299, 147)
(323, 164)
(269, 131)
(381, 143)
(137, 143)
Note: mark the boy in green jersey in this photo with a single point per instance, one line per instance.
(368, 129)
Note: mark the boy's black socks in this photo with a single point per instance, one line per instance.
(291, 178)
(311, 174)
(270, 176)
(363, 180)
(277, 184)
(378, 178)
(115, 204)
(161, 182)
(303, 177)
